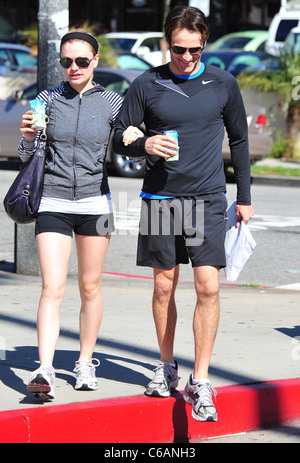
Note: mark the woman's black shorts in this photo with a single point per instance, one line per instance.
(80, 224)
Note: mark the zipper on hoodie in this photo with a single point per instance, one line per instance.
(74, 157)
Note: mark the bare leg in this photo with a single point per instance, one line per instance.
(91, 252)
(206, 317)
(54, 252)
(164, 310)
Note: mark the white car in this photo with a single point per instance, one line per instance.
(279, 29)
(147, 45)
(292, 43)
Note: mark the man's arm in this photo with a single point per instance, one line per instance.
(235, 120)
(132, 114)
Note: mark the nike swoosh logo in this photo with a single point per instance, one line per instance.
(204, 82)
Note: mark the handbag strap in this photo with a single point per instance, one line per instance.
(48, 104)
(43, 135)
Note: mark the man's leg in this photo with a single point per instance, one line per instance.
(165, 317)
(198, 391)
(206, 317)
(164, 310)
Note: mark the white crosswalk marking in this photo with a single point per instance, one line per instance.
(264, 222)
(129, 220)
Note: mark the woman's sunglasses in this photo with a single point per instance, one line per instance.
(182, 50)
(80, 62)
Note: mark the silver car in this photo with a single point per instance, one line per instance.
(118, 80)
(15, 58)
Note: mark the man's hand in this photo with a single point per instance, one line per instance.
(243, 213)
(161, 145)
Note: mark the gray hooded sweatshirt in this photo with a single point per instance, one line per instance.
(78, 133)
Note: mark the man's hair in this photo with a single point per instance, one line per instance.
(185, 17)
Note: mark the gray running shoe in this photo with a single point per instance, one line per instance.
(164, 382)
(41, 383)
(85, 375)
(200, 396)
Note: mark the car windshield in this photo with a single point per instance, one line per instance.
(216, 59)
(284, 28)
(25, 59)
(241, 62)
(238, 42)
(122, 44)
(132, 62)
(112, 82)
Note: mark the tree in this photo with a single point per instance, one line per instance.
(285, 81)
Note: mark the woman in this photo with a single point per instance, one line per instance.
(75, 198)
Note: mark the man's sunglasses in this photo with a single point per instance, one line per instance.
(182, 50)
(80, 62)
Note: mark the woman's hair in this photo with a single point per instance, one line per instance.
(81, 34)
(186, 17)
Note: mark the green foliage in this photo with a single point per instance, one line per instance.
(270, 81)
(107, 54)
(283, 147)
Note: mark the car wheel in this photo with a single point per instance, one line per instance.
(127, 168)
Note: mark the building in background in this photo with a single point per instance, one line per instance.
(144, 15)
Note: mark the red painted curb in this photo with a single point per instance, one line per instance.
(149, 420)
(129, 275)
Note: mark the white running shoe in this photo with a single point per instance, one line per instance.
(164, 382)
(200, 396)
(85, 375)
(41, 383)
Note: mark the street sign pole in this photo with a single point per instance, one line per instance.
(53, 22)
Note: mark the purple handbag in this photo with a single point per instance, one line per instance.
(23, 198)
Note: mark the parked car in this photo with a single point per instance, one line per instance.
(244, 40)
(232, 61)
(260, 143)
(127, 61)
(281, 25)
(274, 63)
(117, 80)
(144, 44)
(292, 42)
(17, 58)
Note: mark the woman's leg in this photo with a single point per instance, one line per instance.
(91, 251)
(54, 252)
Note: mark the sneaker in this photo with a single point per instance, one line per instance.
(165, 380)
(200, 396)
(85, 375)
(41, 383)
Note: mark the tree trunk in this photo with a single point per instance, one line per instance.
(293, 121)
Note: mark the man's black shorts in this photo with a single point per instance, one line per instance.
(176, 231)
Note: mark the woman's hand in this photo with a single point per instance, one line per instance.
(25, 129)
(131, 134)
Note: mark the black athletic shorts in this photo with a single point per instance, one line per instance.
(176, 231)
(81, 224)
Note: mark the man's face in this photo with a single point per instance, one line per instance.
(189, 61)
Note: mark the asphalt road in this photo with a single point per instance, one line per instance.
(275, 228)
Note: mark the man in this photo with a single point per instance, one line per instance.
(197, 101)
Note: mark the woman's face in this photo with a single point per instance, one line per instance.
(79, 78)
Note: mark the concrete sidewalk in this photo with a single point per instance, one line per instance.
(258, 342)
